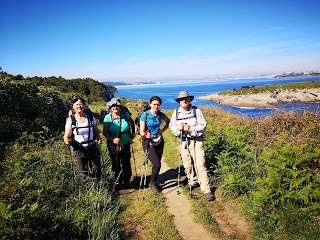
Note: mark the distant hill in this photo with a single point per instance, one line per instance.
(300, 74)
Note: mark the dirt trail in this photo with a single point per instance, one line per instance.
(180, 207)
(227, 214)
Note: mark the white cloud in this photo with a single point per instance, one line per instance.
(247, 61)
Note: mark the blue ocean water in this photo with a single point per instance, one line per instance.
(168, 92)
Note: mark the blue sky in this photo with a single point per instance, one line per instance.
(136, 40)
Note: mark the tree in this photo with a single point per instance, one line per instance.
(86, 92)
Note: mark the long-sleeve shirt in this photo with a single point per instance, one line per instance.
(197, 124)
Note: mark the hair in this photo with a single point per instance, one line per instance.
(155, 98)
(76, 99)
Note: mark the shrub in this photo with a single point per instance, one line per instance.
(26, 108)
(41, 197)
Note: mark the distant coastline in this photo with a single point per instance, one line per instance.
(156, 83)
(267, 99)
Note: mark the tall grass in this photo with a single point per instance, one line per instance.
(42, 197)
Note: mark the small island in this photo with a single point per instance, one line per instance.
(267, 96)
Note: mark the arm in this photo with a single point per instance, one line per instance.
(201, 125)
(132, 126)
(67, 132)
(97, 134)
(67, 136)
(174, 127)
(144, 130)
(167, 121)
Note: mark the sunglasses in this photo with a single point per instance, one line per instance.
(186, 99)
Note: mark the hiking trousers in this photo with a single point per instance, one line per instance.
(88, 161)
(121, 161)
(154, 155)
(194, 163)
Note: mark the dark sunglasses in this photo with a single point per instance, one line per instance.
(184, 99)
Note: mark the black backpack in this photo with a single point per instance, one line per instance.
(142, 108)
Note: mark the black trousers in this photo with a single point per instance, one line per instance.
(154, 155)
(88, 161)
(121, 161)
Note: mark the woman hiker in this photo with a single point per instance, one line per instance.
(83, 135)
(119, 131)
(189, 124)
(152, 140)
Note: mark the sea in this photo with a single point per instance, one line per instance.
(169, 91)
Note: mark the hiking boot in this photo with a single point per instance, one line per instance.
(153, 186)
(159, 186)
(209, 196)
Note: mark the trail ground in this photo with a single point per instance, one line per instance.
(228, 216)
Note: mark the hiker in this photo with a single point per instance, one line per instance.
(119, 131)
(82, 135)
(189, 124)
(152, 139)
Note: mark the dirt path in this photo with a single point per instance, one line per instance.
(180, 207)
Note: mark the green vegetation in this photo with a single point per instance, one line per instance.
(270, 165)
(91, 89)
(244, 90)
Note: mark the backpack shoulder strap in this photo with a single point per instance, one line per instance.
(147, 116)
(73, 121)
(194, 110)
(177, 113)
(91, 118)
(160, 113)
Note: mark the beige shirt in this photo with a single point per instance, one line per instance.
(197, 124)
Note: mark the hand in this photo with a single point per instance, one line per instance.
(116, 141)
(186, 127)
(67, 140)
(148, 134)
(99, 141)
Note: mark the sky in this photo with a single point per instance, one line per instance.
(158, 40)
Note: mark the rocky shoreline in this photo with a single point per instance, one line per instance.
(266, 99)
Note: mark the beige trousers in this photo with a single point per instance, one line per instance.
(194, 163)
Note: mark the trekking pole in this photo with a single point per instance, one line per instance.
(117, 161)
(134, 159)
(70, 156)
(179, 169)
(144, 170)
(189, 160)
(195, 159)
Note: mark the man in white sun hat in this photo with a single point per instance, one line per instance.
(188, 123)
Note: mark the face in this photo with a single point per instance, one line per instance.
(184, 102)
(115, 108)
(78, 106)
(155, 105)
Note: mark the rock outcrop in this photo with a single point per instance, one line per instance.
(266, 99)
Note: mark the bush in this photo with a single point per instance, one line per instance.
(274, 163)
(26, 108)
(41, 197)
